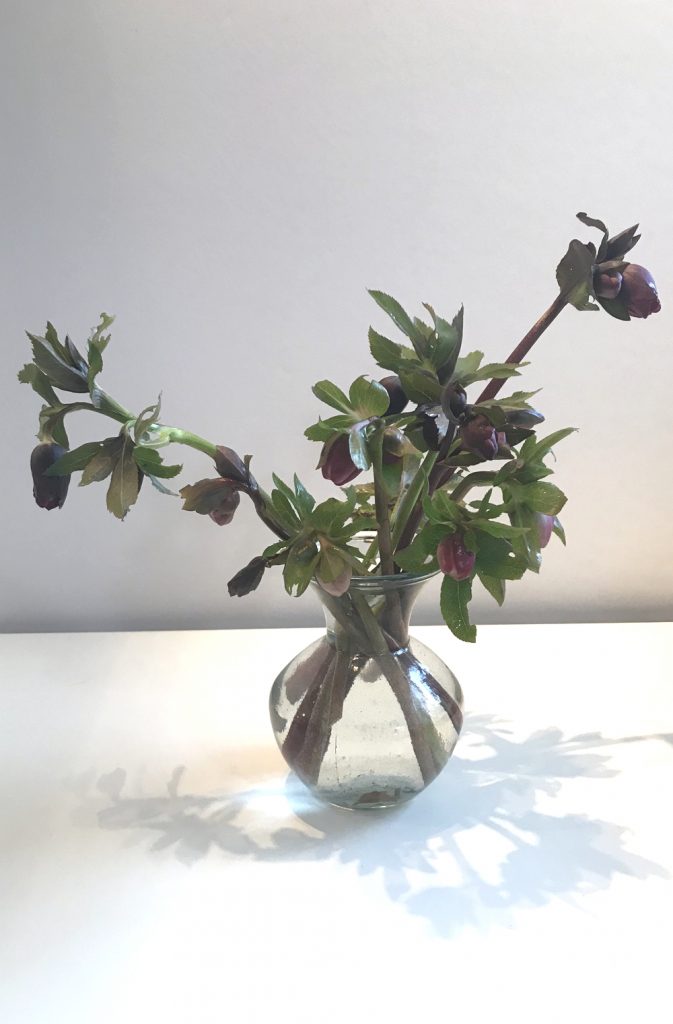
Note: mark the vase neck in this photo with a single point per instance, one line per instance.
(373, 616)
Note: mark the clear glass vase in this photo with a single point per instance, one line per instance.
(367, 717)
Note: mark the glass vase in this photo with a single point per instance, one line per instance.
(366, 716)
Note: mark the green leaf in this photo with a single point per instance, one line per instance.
(496, 557)
(454, 600)
(401, 319)
(592, 222)
(575, 275)
(494, 586)
(538, 449)
(275, 549)
(466, 366)
(51, 336)
(124, 482)
(285, 511)
(421, 386)
(331, 564)
(149, 415)
(517, 400)
(31, 374)
(621, 243)
(330, 515)
(102, 464)
(304, 501)
(331, 395)
(368, 397)
(150, 461)
(59, 373)
(388, 354)
(72, 461)
(616, 307)
(495, 371)
(357, 444)
(444, 351)
(557, 528)
(543, 497)
(160, 487)
(52, 424)
(300, 566)
(75, 356)
(494, 529)
(97, 343)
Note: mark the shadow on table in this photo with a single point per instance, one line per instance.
(487, 799)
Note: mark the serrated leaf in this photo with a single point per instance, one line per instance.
(102, 464)
(388, 354)
(285, 511)
(401, 319)
(368, 397)
(98, 342)
(161, 487)
(74, 460)
(59, 373)
(149, 415)
(492, 371)
(150, 461)
(494, 586)
(421, 386)
(466, 366)
(124, 482)
(300, 566)
(497, 557)
(303, 500)
(494, 529)
(31, 374)
(538, 449)
(543, 497)
(75, 356)
(622, 243)
(454, 601)
(275, 549)
(331, 395)
(52, 424)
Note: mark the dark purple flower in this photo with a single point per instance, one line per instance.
(638, 291)
(478, 435)
(545, 528)
(224, 511)
(454, 558)
(607, 285)
(396, 394)
(454, 401)
(336, 462)
(49, 491)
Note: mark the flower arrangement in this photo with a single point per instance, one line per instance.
(459, 485)
(429, 447)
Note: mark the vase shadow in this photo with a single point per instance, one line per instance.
(487, 823)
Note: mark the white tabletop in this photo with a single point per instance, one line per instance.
(158, 865)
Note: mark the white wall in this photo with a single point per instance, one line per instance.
(228, 178)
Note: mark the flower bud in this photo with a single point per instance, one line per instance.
(336, 462)
(639, 292)
(396, 394)
(608, 285)
(247, 579)
(49, 491)
(454, 558)
(545, 528)
(224, 511)
(524, 417)
(340, 584)
(230, 465)
(478, 436)
(454, 401)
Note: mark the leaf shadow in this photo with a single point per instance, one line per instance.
(486, 826)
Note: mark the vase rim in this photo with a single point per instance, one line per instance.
(400, 579)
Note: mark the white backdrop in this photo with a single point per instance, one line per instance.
(229, 177)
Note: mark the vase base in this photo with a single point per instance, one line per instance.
(377, 795)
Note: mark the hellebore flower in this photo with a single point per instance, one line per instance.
(247, 579)
(49, 491)
(607, 285)
(230, 465)
(454, 401)
(396, 394)
(340, 584)
(454, 558)
(224, 511)
(478, 435)
(545, 527)
(336, 462)
(638, 291)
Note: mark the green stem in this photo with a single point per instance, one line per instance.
(179, 436)
(381, 503)
(412, 498)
